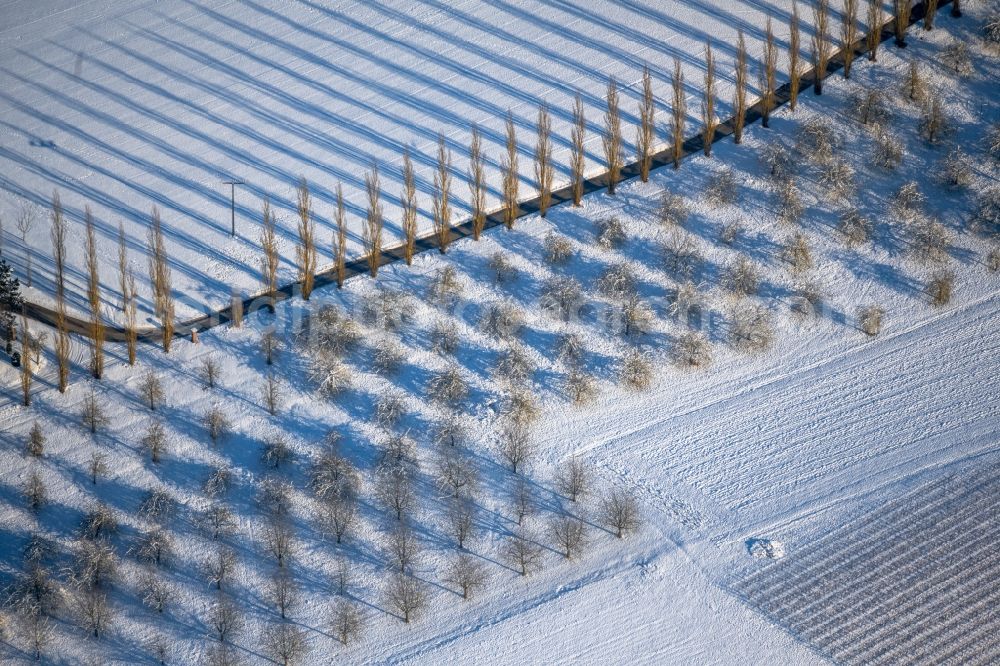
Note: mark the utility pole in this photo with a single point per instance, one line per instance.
(232, 183)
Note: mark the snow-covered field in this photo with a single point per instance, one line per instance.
(149, 103)
(825, 442)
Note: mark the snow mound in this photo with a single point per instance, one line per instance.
(761, 548)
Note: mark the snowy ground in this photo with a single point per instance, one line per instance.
(797, 444)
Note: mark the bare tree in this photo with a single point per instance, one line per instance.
(578, 159)
(26, 215)
(151, 389)
(447, 388)
(219, 566)
(956, 171)
(466, 573)
(768, 77)
(159, 270)
(871, 106)
(340, 240)
(442, 188)
(210, 371)
(740, 91)
(270, 345)
(750, 329)
(856, 228)
(477, 183)
(158, 505)
(154, 441)
(510, 175)
(156, 592)
(305, 251)
(27, 360)
(902, 9)
(521, 500)
(225, 619)
(407, 596)
(820, 43)
(794, 56)
(678, 113)
(340, 511)
(958, 58)
(580, 386)
(279, 539)
(342, 573)
(610, 233)
(269, 244)
(402, 546)
(742, 277)
(276, 451)
(388, 412)
(347, 620)
(523, 552)
(503, 269)
(36, 440)
(560, 295)
(217, 423)
(908, 202)
(710, 122)
(462, 519)
(568, 532)
(646, 131)
(874, 25)
(870, 319)
(218, 482)
(236, 309)
(93, 415)
(573, 479)
(620, 511)
(931, 242)
(849, 33)
(612, 139)
(520, 407)
(915, 84)
(34, 491)
(457, 474)
(934, 125)
(94, 612)
(409, 208)
(544, 170)
(98, 466)
(721, 189)
(797, 253)
(38, 629)
(131, 330)
(154, 547)
(940, 287)
(97, 330)
(636, 370)
(681, 252)
(58, 235)
(95, 565)
(284, 591)
(270, 392)
(515, 445)
(218, 519)
(394, 488)
(372, 232)
(692, 350)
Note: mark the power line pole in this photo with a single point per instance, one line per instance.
(232, 183)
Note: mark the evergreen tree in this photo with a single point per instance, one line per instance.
(11, 303)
